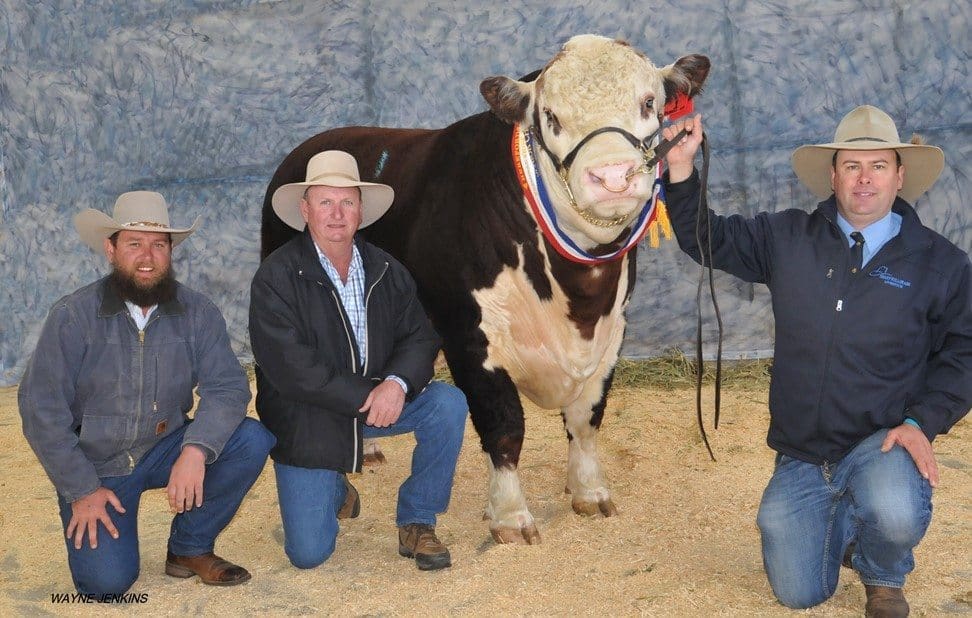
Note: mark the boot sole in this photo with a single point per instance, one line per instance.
(426, 562)
(175, 570)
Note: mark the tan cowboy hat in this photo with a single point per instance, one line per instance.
(333, 168)
(868, 128)
(145, 211)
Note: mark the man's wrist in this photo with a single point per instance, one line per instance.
(910, 421)
(399, 381)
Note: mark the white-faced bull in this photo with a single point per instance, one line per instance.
(519, 226)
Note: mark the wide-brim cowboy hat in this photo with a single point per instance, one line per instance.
(332, 168)
(144, 211)
(868, 128)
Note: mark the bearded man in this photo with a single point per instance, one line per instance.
(105, 403)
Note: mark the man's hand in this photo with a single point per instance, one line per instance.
(914, 441)
(681, 158)
(384, 404)
(185, 487)
(86, 512)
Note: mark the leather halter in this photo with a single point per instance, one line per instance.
(650, 156)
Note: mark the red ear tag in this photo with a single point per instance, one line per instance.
(680, 106)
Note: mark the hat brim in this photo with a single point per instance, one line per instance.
(94, 227)
(923, 165)
(376, 199)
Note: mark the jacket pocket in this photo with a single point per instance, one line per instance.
(103, 437)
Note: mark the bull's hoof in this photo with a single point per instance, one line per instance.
(374, 459)
(604, 507)
(527, 535)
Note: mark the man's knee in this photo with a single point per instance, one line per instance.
(106, 581)
(450, 402)
(309, 555)
(902, 527)
(251, 441)
(255, 437)
(799, 597)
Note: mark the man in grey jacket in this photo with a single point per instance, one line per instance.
(105, 403)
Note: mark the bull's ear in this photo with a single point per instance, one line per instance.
(686, 75)
(507, 98)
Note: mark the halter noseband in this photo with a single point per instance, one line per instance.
(650, 156)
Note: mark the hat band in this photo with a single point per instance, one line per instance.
(326, 174)
(145, 224)
(867, 139)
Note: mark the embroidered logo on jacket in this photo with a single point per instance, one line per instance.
(881, 272)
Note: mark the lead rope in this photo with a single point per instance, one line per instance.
(701, 212)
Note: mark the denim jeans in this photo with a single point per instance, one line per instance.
(113, 567)
(310, 498)
(811, 513)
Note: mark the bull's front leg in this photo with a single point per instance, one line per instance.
(497, 415)
(582, 420)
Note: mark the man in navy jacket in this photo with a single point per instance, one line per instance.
(873, 353)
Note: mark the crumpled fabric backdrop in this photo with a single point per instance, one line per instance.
(201, 100)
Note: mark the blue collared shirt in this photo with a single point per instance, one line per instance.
(876, 235)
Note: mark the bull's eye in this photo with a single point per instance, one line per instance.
(648, 106)
(551, 120)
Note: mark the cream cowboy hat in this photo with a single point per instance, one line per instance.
(144, 211)
(333, 168)
(868, 128)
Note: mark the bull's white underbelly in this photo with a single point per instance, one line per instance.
(538, 345)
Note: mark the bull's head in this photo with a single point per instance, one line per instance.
(594, 111)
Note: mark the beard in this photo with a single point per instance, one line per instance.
(156, 293)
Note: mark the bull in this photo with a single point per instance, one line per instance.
(520, 227)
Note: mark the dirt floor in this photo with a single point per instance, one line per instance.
(685, 543)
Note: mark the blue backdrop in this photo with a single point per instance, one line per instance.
(201, 100)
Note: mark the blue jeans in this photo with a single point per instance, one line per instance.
(310, 498)
(113, 567)
(811, 513)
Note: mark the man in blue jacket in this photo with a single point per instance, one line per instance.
(344, 352)
(105, 402)
(873, 353)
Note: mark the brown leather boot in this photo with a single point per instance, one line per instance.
(884, 602)
(210, 568)
(419, 541)
(352, 502)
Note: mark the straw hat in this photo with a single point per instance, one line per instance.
(868, 128)
(333, 168)
(144, 211)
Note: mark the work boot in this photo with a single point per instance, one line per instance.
(352, 502)
(419, 541)
(210, 568)
(884, 602)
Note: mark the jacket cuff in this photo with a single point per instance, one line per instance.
(399, 381)
(925, 419)
(207, 451)
(70, 497)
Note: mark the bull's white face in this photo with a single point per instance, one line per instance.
(594, 83)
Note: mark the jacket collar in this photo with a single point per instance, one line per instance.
(370, 256)
(913, 235)
(113, 304)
